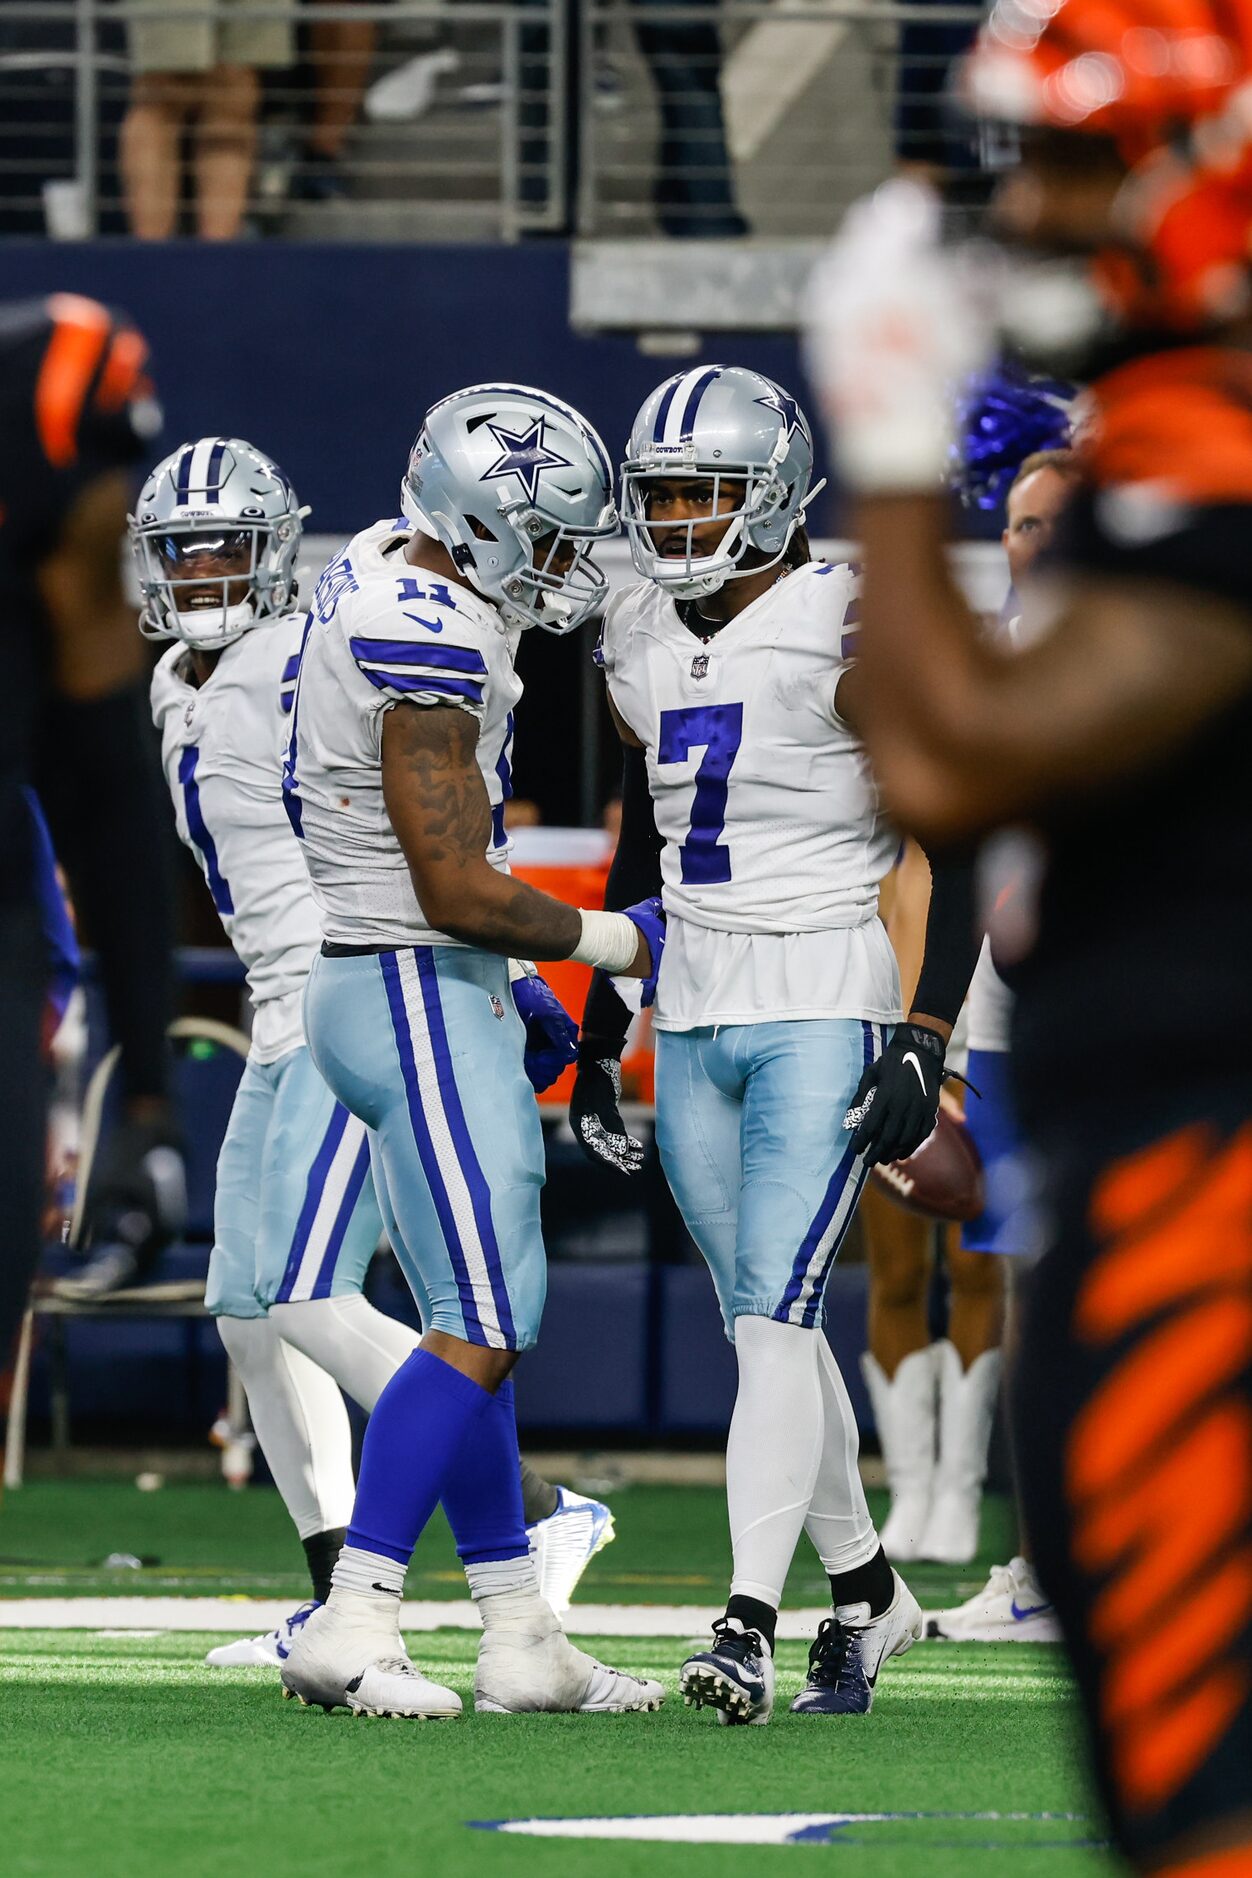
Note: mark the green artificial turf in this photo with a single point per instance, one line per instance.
(672, 1546)
(122, 1757)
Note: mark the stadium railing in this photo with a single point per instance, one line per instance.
(463, 143)
(495, 119)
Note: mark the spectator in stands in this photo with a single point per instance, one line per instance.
(198, 74)
(694, 190)
(339, 53)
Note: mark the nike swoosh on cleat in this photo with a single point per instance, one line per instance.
(431, 625)
(909, 1057)
(1032, 1610)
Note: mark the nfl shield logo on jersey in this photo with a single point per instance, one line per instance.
(496, 1005)
(700, 665)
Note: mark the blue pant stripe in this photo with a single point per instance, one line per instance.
(480, 1193)
(426, 1148)
(347, 1206)
(312, 1197)
(821, 1222)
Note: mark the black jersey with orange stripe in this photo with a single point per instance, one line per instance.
(1141, 972)
(75, 403)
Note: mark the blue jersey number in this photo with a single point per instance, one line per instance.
(290, 787)
(504, 770)
(704, 857)
(198, 829)
(433, 590)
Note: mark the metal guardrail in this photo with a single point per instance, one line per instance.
(760, 116)
(493, 118)
(452, 115)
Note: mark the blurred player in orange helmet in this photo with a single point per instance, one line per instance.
(1123, 736)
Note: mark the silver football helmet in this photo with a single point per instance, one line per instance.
(218, 500)
(516, 485)
(729, 425)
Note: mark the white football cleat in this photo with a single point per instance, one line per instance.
(849, 1651)
(564, 1544)
(1012, 1607)
(273, 1647)
(527, 1665)
(340, 1660)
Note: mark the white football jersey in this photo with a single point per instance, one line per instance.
(221, 748)
(774, 843)
(382, 632)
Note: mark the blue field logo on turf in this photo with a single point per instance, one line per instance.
(984, 1832)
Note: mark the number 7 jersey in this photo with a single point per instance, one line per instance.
(774, 842)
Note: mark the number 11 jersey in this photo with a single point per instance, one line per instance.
(774, 841)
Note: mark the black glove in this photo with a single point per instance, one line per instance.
(138, 1192)
(595, 1114)
(896, 1104)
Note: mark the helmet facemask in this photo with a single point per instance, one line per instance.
(235, 588)
(215, 538)
(756, 520)
(536, 567)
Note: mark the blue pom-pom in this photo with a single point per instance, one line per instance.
(1004, 416)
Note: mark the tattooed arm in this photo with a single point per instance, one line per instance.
(438, 805)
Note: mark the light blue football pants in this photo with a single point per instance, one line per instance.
(424, 1046)
(294, 1216)
(749, 1123)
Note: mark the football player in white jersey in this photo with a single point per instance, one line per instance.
(783, 1069)
(396, 777)
(216, 534)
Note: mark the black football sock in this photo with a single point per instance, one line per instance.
(872, 1583)
(540, 1498)
(321, 1549)
(754, 1615)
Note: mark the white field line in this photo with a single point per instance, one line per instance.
(249, 1616)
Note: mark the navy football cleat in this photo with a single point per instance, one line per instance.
(735, 1677)
(850, 1649)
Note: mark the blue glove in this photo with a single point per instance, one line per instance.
(551, 1033)
(649, 917)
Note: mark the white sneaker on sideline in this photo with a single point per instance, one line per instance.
(527, 1665)
(1012, 1607)
(342, 1660)
(564, 1544)
(273, 1647)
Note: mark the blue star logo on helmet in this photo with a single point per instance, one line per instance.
(787, 408)
(524, 454)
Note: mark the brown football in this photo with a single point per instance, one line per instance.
(942, 1180)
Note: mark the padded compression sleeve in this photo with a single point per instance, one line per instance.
(953, 937)
(634, 875)
(101, 790)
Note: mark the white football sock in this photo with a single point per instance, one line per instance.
(362, 1348)
(839, 1522)
(502, 1577)
(300, 1422)
(773, 1451)
(367, 1586)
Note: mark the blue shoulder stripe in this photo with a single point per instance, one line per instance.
(420, 681)
(405, 652)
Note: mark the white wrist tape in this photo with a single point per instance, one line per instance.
(609, 940)
(898, 451)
